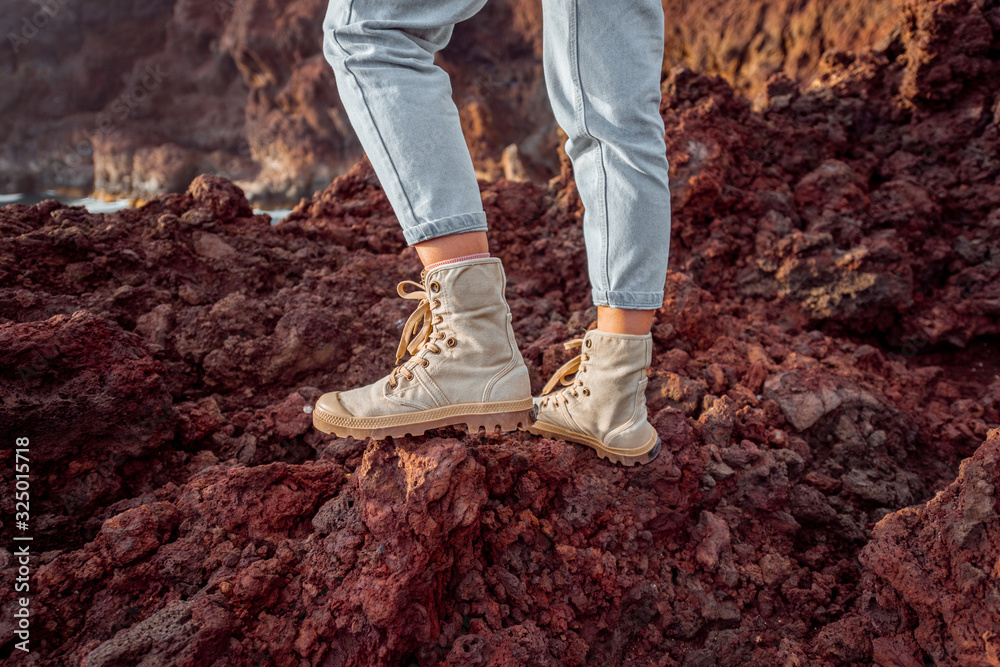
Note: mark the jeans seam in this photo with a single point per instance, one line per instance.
(371, 116)
(584, 130)
(462, 222)
(627, 299)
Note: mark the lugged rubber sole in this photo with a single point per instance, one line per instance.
(627, 458)
(505, 415)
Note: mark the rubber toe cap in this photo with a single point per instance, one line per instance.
(330, 404)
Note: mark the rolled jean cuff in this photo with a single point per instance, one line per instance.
(456, 224)
(628, 300)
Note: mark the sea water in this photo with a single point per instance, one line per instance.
(100, 206)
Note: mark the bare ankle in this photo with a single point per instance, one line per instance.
(624, 321)
(452, 247)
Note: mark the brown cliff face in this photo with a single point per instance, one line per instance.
(146, 98)
(748, 42)
(62, 64)
(826, 356)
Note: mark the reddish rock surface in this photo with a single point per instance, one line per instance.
(826, 357)
(94, 400)
(930, 585)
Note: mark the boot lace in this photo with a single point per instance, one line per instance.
(418, 332)
(562, 376)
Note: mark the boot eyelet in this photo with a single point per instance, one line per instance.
(451, 342)
(588, 342)
(435, 287)
(586, 392)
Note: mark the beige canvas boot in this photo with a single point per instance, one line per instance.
(465, 368)
(603, 404)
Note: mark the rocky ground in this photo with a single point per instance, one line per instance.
(826, 382)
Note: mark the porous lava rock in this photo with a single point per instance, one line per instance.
(91, 400)
(930, 585)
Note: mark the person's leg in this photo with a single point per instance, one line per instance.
(399, 103)
(465, 366)
(602, 68)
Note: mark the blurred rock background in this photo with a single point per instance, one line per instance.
(134, 98)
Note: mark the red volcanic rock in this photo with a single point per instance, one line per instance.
(947, 45)
(224, 201)
(830, 254)
(804, 405)
(352, 212)
(92, 401)
(242, 520)
(186, 632)
(136, 533)
(822, 199)
(929, 588)
(420, 507)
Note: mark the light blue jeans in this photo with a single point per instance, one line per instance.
(601, 60)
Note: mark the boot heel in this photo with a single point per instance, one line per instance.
(505, 421)
(630, 461)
